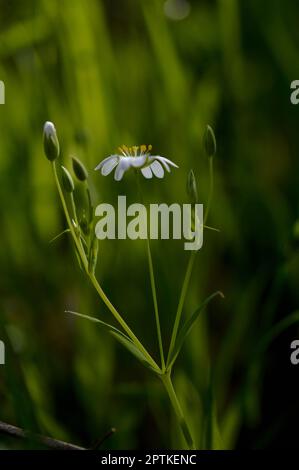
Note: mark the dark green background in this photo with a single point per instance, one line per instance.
(113, 72)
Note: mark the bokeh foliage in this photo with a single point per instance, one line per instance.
(121, 71)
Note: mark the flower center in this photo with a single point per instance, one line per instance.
(135, 151)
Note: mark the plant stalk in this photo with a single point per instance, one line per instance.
(154, 292)
(190, 268)
(166, 379)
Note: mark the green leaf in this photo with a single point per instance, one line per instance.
(127, 343)
(108, 327)
(60, 235)
(187, 327)
(121, 337)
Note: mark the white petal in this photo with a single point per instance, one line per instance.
(121, 168)
(99, 166)
(166, 166)
(108, 166)
(165, 162)
(157, 169)
(147, 172)
(137, 162)
(49, 129)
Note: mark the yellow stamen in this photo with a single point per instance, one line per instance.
(142, 148)
(122, 151)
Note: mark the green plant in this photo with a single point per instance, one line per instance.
(86, 248)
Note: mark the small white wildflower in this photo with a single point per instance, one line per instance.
(49, 129)
(51, 143)
(138, 158)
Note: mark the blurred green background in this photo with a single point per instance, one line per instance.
(153, 72)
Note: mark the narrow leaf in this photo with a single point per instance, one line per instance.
(127, 343)
(59, 235)
(121, 337)
(108, 327)
(187, 327)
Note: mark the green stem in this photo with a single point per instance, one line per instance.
(69, 222)
(80, 239)
(95, 283)
(190, 268)
(153, 285)
(166, 379)
(74, 208)
(154, 292)
(181, 303)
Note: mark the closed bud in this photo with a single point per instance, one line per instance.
(67, 180)
(192, 187)
(93, 255)
(84, 224)
(209, 142)
(79, 169)
(51, 143)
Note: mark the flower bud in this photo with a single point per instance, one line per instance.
(93, 255)
(67, 180)
(84, 224)
(209, 142)
(51, 143)
(79, 169)
(192, 187)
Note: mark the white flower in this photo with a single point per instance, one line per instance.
(138, 158)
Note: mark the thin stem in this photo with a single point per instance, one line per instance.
(95, 283)
(69, 222)
(190, 267)
(166, 379)
(153, 284)
(181, 303)
(154, 292)
(81, 239)
(74, 208)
